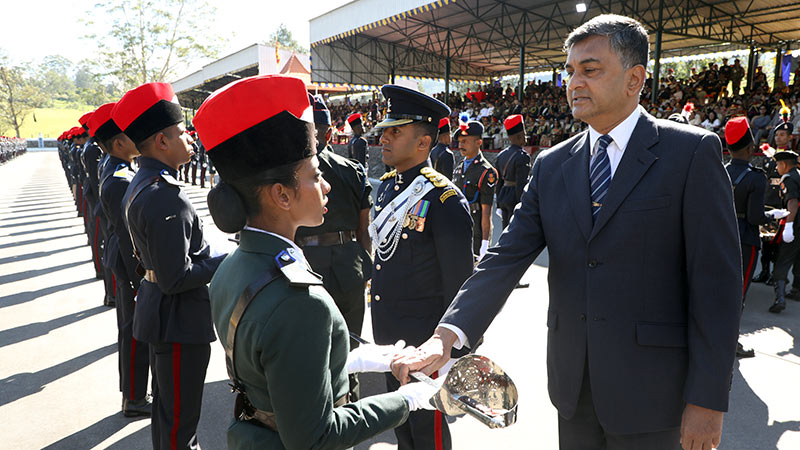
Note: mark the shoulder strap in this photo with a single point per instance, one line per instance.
(244, 301)
(137, 190)
(508, 163)
(741, 177)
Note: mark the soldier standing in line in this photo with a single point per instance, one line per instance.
(789, 248)
(357, 148)
(339, 250)
(515, 168)
(422, 235)
(172, 314)
(134, 359)
(442, 157)
(477, 179)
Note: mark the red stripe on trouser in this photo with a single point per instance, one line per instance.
(96, 256)
(437, 423)
(113, 286)
(749, 268)
(176, 382)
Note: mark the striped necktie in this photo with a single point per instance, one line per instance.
(600, 174)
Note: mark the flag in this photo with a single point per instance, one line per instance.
(277, 55)
(34, 117)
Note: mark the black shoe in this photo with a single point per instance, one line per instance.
(780, 302)
(778, 306)
(137, 408)
(794, 294)
(762, 277)
(521, 285)
(770, 281)
(742, 353)
(109, 302)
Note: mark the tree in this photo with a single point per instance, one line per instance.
(55, 78)
(149, 40)
(19, 95)
(285, 40)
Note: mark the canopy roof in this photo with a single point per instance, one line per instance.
(482, 38)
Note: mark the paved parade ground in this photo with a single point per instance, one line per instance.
(59, 380)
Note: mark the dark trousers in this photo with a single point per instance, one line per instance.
(95, 238)
(186, 172)
(194, 174)
(203, 176)
(787, 256)
(424, 430)
(134, 356)
(749, 254)
(769, 253)
(584, 432)
(180, 372)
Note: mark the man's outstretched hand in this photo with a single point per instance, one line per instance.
(701, 428)
(427, 358)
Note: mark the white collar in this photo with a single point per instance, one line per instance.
(295, 251)
(621, 134)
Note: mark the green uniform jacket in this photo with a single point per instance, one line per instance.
(291, 349)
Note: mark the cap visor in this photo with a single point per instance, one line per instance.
(386, 123)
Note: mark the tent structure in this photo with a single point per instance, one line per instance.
(372, 41)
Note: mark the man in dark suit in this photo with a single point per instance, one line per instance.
(644, 299)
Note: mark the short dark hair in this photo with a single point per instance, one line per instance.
(627, 37)
(249, 188)
(428, 129)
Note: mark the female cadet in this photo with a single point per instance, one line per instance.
(286, 343)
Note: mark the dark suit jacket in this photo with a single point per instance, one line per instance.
(649, 296)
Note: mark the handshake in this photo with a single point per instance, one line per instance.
(384, 358)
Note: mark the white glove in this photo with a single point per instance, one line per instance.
(499, 212)
(372, 357)
(777, 214)
(418, 394)
(483, 250)
(788, 232)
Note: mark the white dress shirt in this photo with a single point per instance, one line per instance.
(293, 250)
(621, 135)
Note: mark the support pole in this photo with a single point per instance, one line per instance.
(752, 63)
(778, 68)
(521, 93)
(447, 80)
(657, 65)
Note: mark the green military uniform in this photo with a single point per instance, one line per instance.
(290, 354)
(477, 181)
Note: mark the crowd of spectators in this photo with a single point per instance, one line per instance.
(716, 92)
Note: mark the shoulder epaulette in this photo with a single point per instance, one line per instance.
(436, 178)
(390, 174)
(121, 171)
(294, 271)
(166, 176)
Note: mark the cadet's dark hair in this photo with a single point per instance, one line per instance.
(109, 143)
(428, 129)
(628, 38)
(232, 202)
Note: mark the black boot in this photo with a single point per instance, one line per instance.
(762, 277)
(136, 408)
(741, 352)
(780, 301)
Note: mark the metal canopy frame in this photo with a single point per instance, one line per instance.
(481, 39)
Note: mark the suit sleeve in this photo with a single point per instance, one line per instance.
(170, 222)
(451, 225)
(714, 302)
(755, 201)
(501, 269)
(300, 385)
(446, 163)
(112, 203)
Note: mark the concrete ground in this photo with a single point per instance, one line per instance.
(59, 380)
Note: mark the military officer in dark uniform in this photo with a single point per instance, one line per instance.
(422, 234)
(789, 248)
(442, 157)
(749, 187)
(357, 148)
(477, 179)
(514, 165)
(286, 343)
(339, 249)
(172, 313)
(134, 365)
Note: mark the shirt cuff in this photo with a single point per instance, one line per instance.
(461, 340)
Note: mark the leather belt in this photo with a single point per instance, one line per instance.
(150, 276)
(266, 419)
(327, 239)
(741, 216)
(509, 183)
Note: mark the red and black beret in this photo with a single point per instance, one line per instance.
(84, 120)
(149, 108)
(101, 125)
(354, 119)
(444, 125)
(514, 124)
(738, 134)
(255, 124)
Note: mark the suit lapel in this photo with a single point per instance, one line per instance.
(635, 161)
(575, 171)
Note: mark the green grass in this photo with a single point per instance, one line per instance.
(51, 122)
